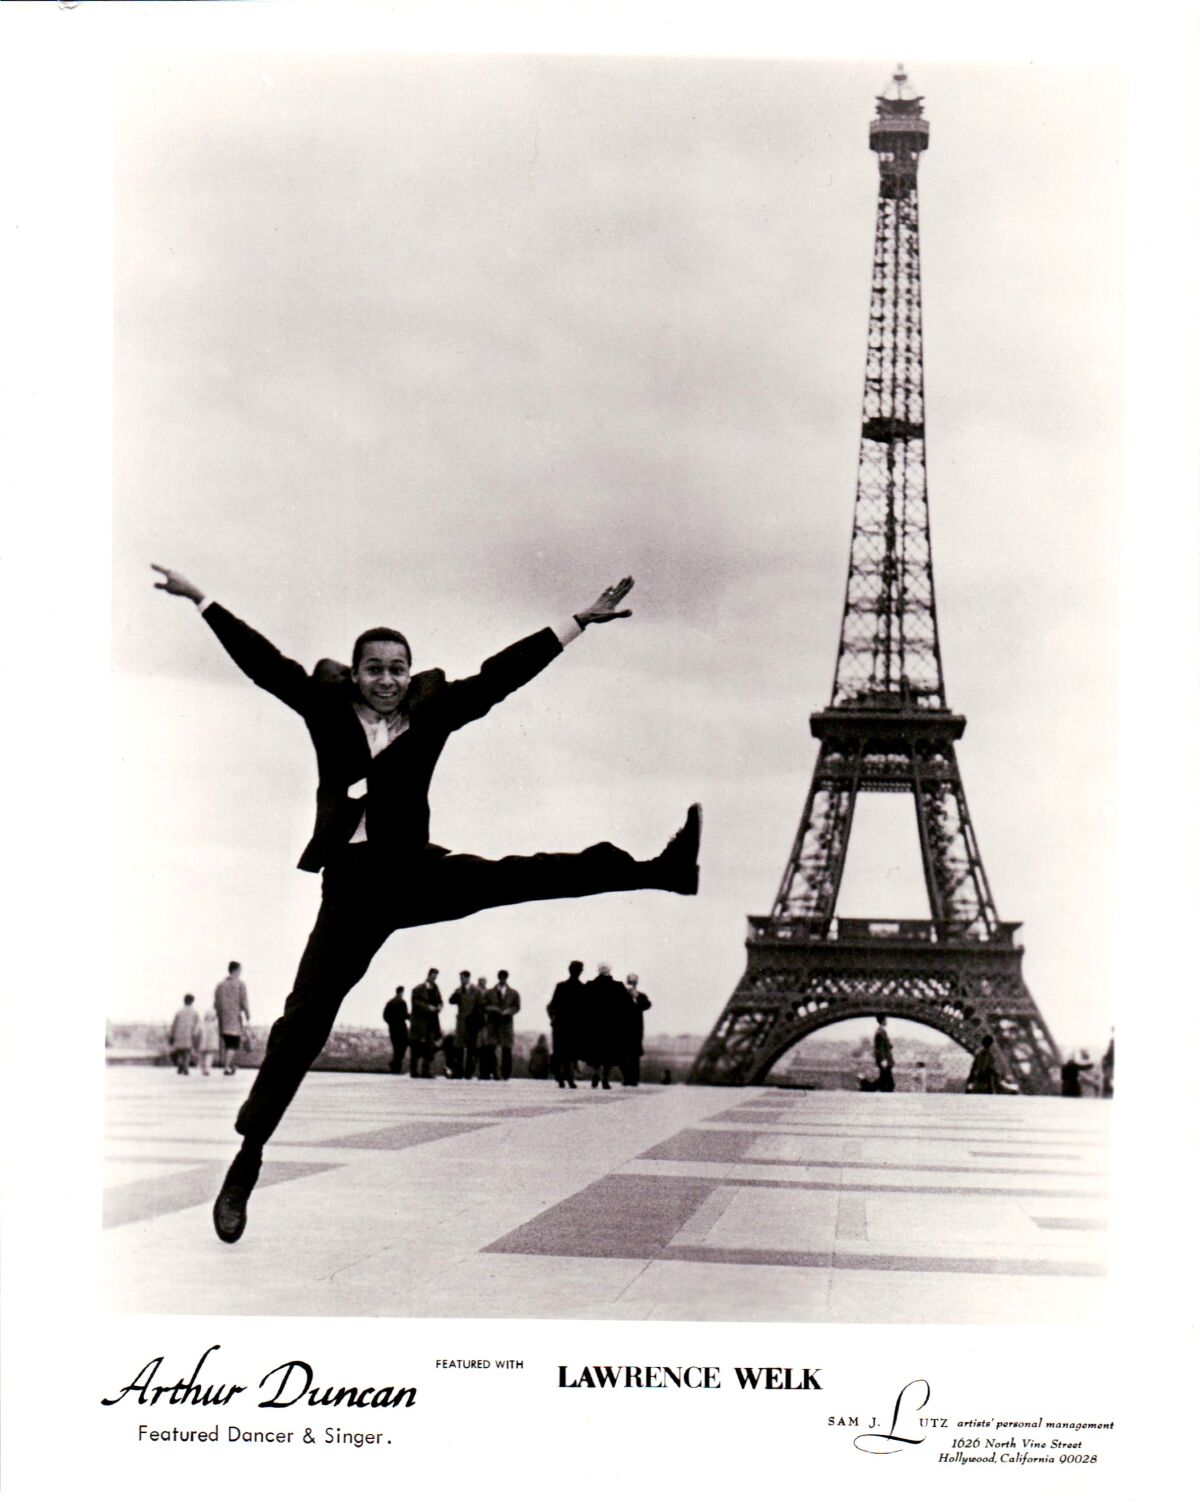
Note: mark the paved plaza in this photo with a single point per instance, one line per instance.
(385, 1195)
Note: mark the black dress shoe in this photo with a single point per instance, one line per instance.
(229, 1212)
(677, 869)
(229, 1207)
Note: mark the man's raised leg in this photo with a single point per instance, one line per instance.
(451, 886)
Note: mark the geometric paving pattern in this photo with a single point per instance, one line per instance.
(739, 1220)
(383, 1195)
(694, 1221)
(182, 1188)
(405, 1134)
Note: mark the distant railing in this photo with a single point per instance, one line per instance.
(877, 930)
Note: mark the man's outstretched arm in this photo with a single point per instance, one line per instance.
(254, 654)
(471, 698)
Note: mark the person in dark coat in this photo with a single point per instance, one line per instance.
(638, 1004)
(1071, 1072)
(502, 1005)
(566, 1013)
(426, 1032)
(884, 1060)
(539, 1059)
(395, 1017)
(984, 1078)
(466, 1000)
(606, 1005)
(378, 730)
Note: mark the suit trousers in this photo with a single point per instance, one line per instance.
(366, 896)
(421, 1059)
(562, 1055)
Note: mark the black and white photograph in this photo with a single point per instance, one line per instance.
(572, 862)
(554, 367)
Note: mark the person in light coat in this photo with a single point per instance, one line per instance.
(184, 1034)
(210, 1038)
(233, 1013)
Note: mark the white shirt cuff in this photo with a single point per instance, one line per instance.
(568, 631)
(202, 605)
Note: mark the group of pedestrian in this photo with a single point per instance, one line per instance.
(221, 1031)
(599, 1022)
(987, 1078)
(480, 1044)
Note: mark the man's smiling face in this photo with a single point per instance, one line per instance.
(382, 675)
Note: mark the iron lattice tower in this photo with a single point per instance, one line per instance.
(887, 728)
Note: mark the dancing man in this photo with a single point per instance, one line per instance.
(378, 730)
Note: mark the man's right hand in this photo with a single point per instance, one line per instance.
(605, 608)
(176, 584)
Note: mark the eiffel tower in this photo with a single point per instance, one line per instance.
(886, 729)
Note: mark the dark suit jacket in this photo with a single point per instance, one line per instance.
(395, 1016)
(426, 1004)
(397, 801)
(604, 1038)
(566, 1013)
(470, 1011)
(501, 1008)
(639, 1005)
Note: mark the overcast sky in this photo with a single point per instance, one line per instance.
(454, 343)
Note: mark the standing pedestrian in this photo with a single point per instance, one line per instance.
(233, 1012)
(606, 1002)
(426, 1030)
(468, 1002)
(503, 1004)
(884, 1059)
(1072, 1072)
(566, 1010)
(485, 1038)
(184, 1034)
(539, 1059)
(395, 1017)
(635, 1032)
(984, 1078)
(210, 1038)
